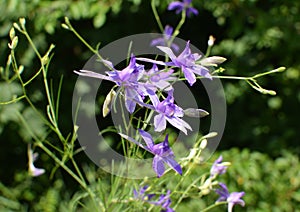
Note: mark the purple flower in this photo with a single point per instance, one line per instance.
(218, 167)
(168, 111)
(141, 194)
(160, 78)
(33, 171)
(184, 5)
(127, 79)
(165, 39)
(162, 153)
(188, 62)
(164, 201)
(231, 198)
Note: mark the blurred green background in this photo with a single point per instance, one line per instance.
(262, 132)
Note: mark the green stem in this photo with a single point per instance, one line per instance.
(161, 28)
(177, 29)
(213, 206)
(95, 51)
(70, 172)
(13, 100)
(186, 191)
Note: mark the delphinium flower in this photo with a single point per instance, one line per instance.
(162, 153)
(190, 63)
(165, 39)
(231, 198)
(164, 200)
(159, 78)
(32, 157)
(127, 78)
(184, 5)
(168, 111)
(218, 167)
(141, 194)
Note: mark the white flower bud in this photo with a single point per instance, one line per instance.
(203, 144)
(17, 26)
(12, 33)
(8, 60)
(22, 22)
(21, 69)
(107, 102)
(210, 135)
(13, 43)
(65, 26)
(211, 40)
(195, 113)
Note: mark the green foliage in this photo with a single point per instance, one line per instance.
(270, 184)
(256, 35)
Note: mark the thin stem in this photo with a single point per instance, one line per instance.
(70, 172)
(13, 100)
(157, 18)
(95, 51)
(44, 71)
(213, 206)
(177, 29)
(186, 191)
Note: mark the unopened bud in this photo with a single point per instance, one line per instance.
(203, 144)
(67, 20)
(22, 22)
(17, 26)
(195, 113)
(65, 26)
(12, 33)
(211, 40)
(20, 69)
(280, 69)
(210, 135)
(8, 60)
(212, 61)
(13, 43)
(107, 102)
(270, 92)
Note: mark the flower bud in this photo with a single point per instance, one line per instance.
(12, 33)
(203, 144)
(195, 113)
(213, 61)
(8, 60)
(13, 43)
(210, 135)
(67, 20)
(22, 22)
(20, 69)
(17, 26)
(107, 102)
(211, 40)
(65, 26)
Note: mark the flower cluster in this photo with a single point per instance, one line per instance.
(163, 201)
(153, 90)
(135, 84)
